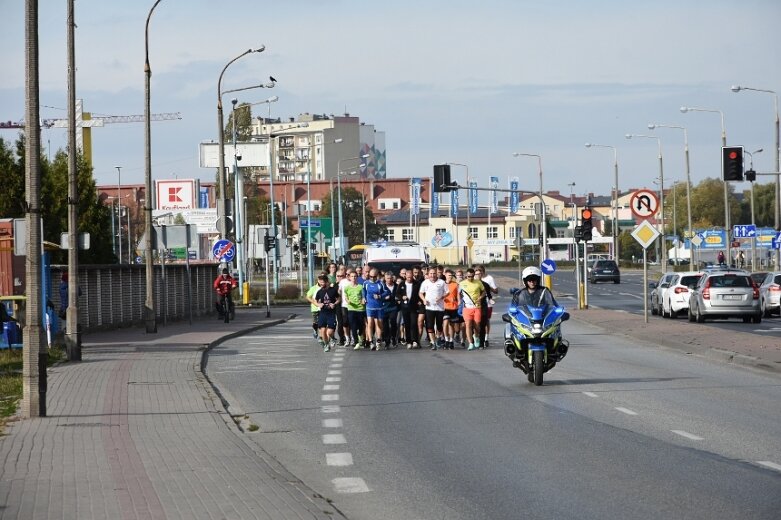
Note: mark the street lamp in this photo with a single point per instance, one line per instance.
(119, 210)
(753, 238)
(652, 126)
(615, 198)
(663, 258)
(150, 318)
(223, 201)
(738, 88)
(726, 190)
(339, 194)
(543, 231)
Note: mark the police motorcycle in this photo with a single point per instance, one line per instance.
(532, 334)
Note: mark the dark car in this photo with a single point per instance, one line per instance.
(604, 271)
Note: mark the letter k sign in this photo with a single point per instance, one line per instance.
(173, 195)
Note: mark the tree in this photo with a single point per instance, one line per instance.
(353, 204)
(628, 247)
(708, 204)
(12, 172)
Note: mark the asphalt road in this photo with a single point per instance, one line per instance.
(617, 431)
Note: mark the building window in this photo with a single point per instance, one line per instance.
(440, 231)
(382, 205)
(472, 231)
(407, 234)
(395, 205)
(492, 232)
(390, 234)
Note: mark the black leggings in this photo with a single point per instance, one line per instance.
(434, 319)
(356, 323)
(410, 317)
(390, 330)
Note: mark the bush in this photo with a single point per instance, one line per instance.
(287, 292)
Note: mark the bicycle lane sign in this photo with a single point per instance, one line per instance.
(223, 250)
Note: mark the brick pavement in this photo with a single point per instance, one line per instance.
(136, 431)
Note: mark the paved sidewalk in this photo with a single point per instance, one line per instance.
(136, 431)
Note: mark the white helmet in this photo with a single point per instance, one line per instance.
(529, 272)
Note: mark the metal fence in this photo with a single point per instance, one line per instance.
(113, 296)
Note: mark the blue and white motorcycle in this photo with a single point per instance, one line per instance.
(532, 338)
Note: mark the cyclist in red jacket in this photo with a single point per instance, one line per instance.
(224, 284)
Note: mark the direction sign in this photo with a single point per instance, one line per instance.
(548, 266)
(644, 203)
(645, 234)
(313, 223)
(744, 231)
(223, 250)
(776, 243)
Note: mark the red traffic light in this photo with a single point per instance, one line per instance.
(586, 214)
(733, 155)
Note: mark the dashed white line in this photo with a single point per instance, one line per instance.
(330, 387)
(330, 408)
(768, 464)
(688, 435)
(329, 397)
(590, 394)
(350, 485)
(626, 411)
(334, 372)
(334, 438)
(339, 459)
(332, 423)
(335, 365)
(332, 379)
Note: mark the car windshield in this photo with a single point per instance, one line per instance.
(730, 281)
(605, 264)
(690, 281)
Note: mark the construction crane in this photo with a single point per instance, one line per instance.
(85, 122)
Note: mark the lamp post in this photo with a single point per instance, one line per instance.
(543, 230)
(777, 158)
(149, 303)
(119, 210)
(663, 257)
(339, 194)
(237, 199)
(726, 190)
(615, 198)
(753, 238)
(223, 200)
(690, 233)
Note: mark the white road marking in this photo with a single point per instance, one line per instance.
(632, 295)
(259, 369)
(339, 459)
(590, 394)
(626, 411)
(768, 464)
(332, 379)
(329, 397)
(334, 438)
(332, 423)
(334, 372)
(350, 485)
(327, 388)
(688, 435)
(335, 365)
(330, 408)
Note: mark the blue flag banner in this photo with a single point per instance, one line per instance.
(514, 196)
(415, 196)
(454, 203)
(434, 200)
(494, 202)
(472, 197)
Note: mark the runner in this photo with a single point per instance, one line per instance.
(472, 292)
(327, 299)
(432, 294)
(488, 303)
(315, 310)
(355, 309)
(343, 323)
(451, 319)
(390, 313)
(374, 292)
(409, 302)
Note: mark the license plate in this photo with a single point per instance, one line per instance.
(732, 297)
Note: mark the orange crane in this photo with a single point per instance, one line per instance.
(85, 122)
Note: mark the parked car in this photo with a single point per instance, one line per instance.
(657, 292)
(604, 271)
(759, 277)
(770, 294)
(725, 294)
(675, 299)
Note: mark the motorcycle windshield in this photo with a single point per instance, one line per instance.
(552, 316)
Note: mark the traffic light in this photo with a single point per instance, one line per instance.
(270, 242)
(586, 225)
(732, 163)
(751, 175)
(578, 233)
(442, 178)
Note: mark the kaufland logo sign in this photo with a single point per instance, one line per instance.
(177, 194)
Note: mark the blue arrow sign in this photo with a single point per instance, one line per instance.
(310, 223)
(223, 250)
(548, 266)
(744, 231)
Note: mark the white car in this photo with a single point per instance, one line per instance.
(675, 299)
(770, 294)
(657, 292)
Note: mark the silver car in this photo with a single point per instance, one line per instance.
(770, 294)
(725, 294)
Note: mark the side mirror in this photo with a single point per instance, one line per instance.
(652, 285)
(506, 318)
(565, 316)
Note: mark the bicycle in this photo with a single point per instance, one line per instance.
(225, 307)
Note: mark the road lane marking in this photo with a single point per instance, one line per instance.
(327, 388)
(590, 394)
(332, 379)
(329, 397)
(334, 372)
(334, 438)
(632, 295)
(332, 423)
(626, 411)
(350, 485)
(330, 408)
(768, 464)
(688, 435)
(339, 459)
(335, 365)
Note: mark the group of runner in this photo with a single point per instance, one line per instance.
(423, 306)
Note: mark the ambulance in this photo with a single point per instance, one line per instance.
(393, 256)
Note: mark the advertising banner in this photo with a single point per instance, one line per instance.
(416, 196)
(472, 197)
(434, 199)
(454, 203)
(514, 195)
(494, 202)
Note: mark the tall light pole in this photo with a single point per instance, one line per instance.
(777, 158)
(221, 177)
(309, 257)
(119, 210)
(753, 238)
(663, 259)
(653, 126)
(543, 230)
(150, 318)
(339, 194)
(726, 185)
(615, 198)
(238, 194)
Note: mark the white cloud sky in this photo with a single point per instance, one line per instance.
(448, 81)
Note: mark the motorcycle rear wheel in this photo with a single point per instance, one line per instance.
(538, 366)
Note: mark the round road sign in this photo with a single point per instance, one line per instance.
(644, 203)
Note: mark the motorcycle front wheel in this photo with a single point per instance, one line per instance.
(539, 366)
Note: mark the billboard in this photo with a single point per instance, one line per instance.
(177, 194)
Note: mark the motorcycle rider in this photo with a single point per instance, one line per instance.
(537, 296)
(224, 284)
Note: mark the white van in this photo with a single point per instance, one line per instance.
(393, 256)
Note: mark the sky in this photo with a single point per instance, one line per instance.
(447, 80)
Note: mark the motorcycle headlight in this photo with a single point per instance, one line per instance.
(537, 328)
